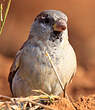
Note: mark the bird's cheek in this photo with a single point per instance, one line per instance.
(43, 27)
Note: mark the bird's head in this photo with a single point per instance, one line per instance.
(50, 25)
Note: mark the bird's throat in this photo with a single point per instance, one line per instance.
(55, 35)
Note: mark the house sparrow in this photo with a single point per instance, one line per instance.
(31, 69)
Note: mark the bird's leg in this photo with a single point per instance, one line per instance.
(66, 96)
(64, 91)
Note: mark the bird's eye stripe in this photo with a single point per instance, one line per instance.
(44, 20)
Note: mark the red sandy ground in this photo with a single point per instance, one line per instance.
(83, 103)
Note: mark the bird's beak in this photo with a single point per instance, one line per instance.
(60, 25)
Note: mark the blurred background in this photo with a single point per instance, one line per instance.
(81, 25)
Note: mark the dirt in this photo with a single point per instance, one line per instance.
(85, 103)
(82, 103)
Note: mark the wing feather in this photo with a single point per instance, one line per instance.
(14, 68)
(16, 64)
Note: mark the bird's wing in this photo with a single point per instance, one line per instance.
(14, 68)
(16, 64)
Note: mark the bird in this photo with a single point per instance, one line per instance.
(31, 68)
